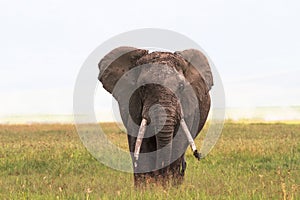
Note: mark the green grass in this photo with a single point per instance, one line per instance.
(250, 161)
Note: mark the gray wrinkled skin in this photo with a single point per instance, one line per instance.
(166, 87)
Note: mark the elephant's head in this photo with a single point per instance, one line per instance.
(161, 96)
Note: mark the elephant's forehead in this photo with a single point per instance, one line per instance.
(160, 71)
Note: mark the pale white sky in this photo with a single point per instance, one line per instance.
(254, 44)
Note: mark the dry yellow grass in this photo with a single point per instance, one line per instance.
(250, 161)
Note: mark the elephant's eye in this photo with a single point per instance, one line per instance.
(181, 86)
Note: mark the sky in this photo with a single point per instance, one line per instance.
(254, 45)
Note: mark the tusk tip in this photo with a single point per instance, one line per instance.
(197, 155)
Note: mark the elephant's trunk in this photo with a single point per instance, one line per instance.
(164, 122)
(163, 112)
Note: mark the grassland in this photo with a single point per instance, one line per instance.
(250, 161)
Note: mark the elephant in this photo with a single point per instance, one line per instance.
(164, 102)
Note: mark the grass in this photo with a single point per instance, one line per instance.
(250, 161)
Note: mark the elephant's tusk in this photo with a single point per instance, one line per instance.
(139, 140)
(190, 138)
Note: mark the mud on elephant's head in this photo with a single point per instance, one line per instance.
(165, 94)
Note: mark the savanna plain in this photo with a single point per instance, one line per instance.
(250, 161)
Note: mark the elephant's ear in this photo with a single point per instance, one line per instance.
(197, 72)
(116, 63)
(198, 60)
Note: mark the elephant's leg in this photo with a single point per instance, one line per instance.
(177, 170)
(180, 145)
